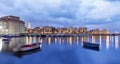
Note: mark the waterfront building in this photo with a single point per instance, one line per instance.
(47, 30)
(104, 31)
(97, 31)
(28, 29)
(72, 30)
(68, 30)
(82, 30)
(37, 30)
(11, 25)
(62, 30)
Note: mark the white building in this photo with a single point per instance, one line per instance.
(11, 25)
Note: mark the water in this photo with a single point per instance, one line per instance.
(63, 50)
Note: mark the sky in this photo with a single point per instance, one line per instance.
(65, 13)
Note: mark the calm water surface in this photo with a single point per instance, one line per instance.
(63, 50)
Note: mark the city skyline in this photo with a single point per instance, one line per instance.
(59, 13)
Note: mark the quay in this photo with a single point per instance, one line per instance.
(56, 35)
(113, 34)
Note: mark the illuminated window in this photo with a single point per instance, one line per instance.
(1, 27)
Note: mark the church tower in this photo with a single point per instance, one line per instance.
(29, 25)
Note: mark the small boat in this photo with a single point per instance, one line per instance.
(5, 39)
(20, 54)
(7, 36)
(92, 46)
(28, 47)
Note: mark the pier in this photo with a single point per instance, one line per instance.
(57, 35)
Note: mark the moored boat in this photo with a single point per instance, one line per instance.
(28, 47)
(7, 36)
(92, 46)
(5, 39)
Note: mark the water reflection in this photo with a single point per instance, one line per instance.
(116, 42)
(56, 50)
(100, 39)
(9, 45)
(107, 42)
(79, 40)
(111, 41)
(0, 44)
(93, 39)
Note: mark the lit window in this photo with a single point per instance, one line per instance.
(1, 27)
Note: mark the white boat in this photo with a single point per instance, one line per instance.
(28, 47)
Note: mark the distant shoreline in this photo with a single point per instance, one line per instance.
(59, 35)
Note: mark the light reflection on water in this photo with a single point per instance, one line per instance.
(112, 41)
(0, 44)
(58, 49)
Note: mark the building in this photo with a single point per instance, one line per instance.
(97, 31)
(82, 30)
(11, 25)
(47, 30)
(28, 29)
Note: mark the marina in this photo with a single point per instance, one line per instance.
(59, 32)
(61, 48)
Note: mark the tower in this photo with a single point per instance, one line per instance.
(29, 25)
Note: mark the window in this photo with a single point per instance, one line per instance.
(1, 27)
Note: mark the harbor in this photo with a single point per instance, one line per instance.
(54, 47)
(59, 32)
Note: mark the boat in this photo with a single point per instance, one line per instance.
(20, 54)
(90, 45)
(7, 36)
(28, 47)
(5, 39)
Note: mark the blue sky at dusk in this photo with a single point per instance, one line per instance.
(64, 13)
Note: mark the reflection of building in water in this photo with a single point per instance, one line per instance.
(55, 40)
(82, 39)
(49, 40)
(93, 39)
(112, 40)
(70, 40)
(107, 42)
(116, 42)
(26, 40)
(41, 40)
(60, 40)
(100, 40)
(38, 39)
(67, 39)
(30, 40)
(14, 42)
(77, 39)
(1, 44)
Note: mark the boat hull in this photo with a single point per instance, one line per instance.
(26, 48)
(22, 53)
(91, 46)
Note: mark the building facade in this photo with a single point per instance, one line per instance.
(11, 25)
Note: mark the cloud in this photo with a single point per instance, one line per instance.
(61, 12)
(113, 0)
(111, 27)
(103, 9)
